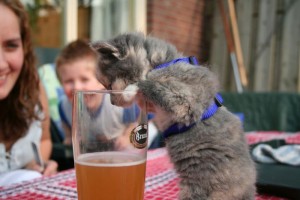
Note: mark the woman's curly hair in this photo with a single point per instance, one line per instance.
(18, 108)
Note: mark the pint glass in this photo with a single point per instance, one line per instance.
(109, 145)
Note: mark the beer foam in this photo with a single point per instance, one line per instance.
(110, 159)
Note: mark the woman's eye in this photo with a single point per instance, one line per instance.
(12, 45)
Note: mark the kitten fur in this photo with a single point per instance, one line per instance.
(212, 158)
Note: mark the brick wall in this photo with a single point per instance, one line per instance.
(178, 22)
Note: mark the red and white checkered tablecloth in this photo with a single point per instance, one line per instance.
(263, 136)
(161, 183)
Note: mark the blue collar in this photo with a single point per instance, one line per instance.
(210, 111)
(191, 60)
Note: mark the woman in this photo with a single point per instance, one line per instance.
(23, 104)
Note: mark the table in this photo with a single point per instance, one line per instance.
(161, 183)
(263, 136)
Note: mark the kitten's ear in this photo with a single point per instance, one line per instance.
(106, 49)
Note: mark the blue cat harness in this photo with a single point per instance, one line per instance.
(209, 112)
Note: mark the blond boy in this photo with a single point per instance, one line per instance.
(75, 69)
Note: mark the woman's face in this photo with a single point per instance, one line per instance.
(11, 51)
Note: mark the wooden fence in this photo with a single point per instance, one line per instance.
(269, 33)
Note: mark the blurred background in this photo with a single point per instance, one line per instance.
(251, 45)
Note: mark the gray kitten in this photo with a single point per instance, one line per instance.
(209, 152)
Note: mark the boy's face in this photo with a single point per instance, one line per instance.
(79, 75)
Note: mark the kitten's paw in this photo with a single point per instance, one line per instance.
(130, 95)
